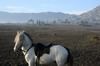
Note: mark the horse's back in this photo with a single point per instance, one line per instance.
(59, 50)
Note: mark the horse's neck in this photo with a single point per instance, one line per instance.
(26, 44)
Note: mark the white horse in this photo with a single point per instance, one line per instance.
(57, 53)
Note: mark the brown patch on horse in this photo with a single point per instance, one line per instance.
(19, 37)
(41, 49)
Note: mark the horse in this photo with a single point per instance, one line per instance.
(36, 54)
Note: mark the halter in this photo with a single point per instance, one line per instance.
(27, 49)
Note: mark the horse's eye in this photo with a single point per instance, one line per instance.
(22, 37)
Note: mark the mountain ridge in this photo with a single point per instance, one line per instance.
(90, 16)
(23, 17)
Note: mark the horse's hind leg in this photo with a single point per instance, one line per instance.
(60, 63)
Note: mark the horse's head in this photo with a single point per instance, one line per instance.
(19, 39)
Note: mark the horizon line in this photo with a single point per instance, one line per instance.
(69, 12)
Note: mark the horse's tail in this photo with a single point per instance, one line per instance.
(69, 58)
(70, 62)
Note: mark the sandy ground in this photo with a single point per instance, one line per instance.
(84, 42)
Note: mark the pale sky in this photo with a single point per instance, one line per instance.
(37, 6)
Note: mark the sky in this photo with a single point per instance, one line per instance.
(36, 6)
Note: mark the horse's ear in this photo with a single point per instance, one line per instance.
(17, 32)
(23, 31)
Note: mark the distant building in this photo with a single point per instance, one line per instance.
(39, 22)
(31, 21)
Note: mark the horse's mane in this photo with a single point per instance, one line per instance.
(28, 36)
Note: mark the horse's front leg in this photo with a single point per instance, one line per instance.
(60, 65)
(31, 64)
